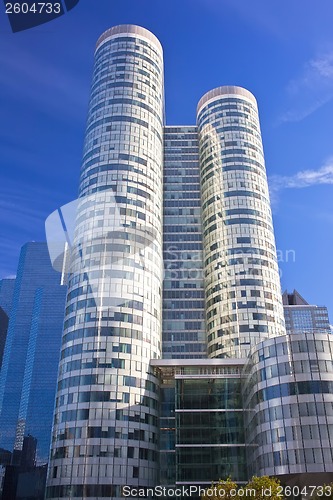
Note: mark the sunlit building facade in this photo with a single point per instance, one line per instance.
(288, 408)
(242, 284)
(173, 292)
(106, 419)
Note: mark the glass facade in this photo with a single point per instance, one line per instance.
(6, 298)
(183, 290)
(30, 363)
(167, 420)
(3, 332)
(194, 198)
(270, 414)
(106, 417)
(209, 429)
(288, 394)
(202, 428)
(302, 317)
(242, 284)
(6, 294)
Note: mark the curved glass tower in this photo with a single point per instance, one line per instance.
(242, 285)
(288, 400)
(105, 431)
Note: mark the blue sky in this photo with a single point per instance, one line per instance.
(280, 50)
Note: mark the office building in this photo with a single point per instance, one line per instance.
(106, 420)
(288, 408)
(6, 298)
(201, 421)
(6, 294)
(242, 285)
(183, 327)
(24, 480)
(31, 356)
(300, 316)
(3, 332)
(267, 414)
(124, 415)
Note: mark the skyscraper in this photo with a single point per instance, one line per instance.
(221, 288)
(237, 271)
(30, 362)
(242, 284)
(301, 317)
(106, 429)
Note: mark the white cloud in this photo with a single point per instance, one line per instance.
(311, 89)
(324, 67)
(302, 179)
(299, 112)
(316, 71)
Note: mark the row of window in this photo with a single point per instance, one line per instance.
(292, 389)
(176, 326)
(105, 53)
(295, 345)
(296, 457)
(122, 101)
(131, 64)
(90, 317)
(186, 336)
(127, 41)
(102, 331)
(232, 102)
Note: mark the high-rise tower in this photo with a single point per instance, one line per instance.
(29, 370)
(106, 429)
(242, 284)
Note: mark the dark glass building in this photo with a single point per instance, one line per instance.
(7, 286)
(31, 356)
(3, 332)
(201, 420)
(301, 317)
(23, 480)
